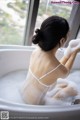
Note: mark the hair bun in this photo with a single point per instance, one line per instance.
(37, 37)
(37, 31)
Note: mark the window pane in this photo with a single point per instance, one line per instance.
(53, 7)
(12, 21)
(78, 35)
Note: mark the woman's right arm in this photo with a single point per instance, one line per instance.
(68, 62)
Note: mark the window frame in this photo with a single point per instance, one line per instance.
(74, 22)
(30, 21)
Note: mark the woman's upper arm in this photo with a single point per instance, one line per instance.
(64, 71)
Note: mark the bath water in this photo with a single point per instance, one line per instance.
(11, 83)
(73, 80)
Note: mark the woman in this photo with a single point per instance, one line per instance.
(44, 68)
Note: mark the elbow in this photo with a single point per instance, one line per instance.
(65, 73)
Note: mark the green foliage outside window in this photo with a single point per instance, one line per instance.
(12, 32)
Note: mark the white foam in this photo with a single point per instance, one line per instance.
(11, 83)
(10, 86)
(73, 45)
(73, 80)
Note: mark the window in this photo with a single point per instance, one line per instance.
(12, 21)
(78, 35)
(53, 7)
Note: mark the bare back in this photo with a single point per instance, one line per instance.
(40, 64)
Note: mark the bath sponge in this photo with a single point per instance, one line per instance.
(73, 45)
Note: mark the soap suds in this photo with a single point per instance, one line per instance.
(11, 83)
(10, 86)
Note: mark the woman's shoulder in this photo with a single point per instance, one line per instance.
(63, 71)
(60, 69)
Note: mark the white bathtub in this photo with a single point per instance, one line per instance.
(14, 60)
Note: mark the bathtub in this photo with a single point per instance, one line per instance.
(14, 63)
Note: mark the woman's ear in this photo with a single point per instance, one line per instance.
(62, 41)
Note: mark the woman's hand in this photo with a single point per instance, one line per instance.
(77, 50)
(74, 46)
(70, 54)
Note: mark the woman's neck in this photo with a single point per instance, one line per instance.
(51, 52)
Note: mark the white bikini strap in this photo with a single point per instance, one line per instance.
(49, 72)
(44, 74)
(38, 79)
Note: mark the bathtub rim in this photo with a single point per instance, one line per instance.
(37, 108)
(19, 107)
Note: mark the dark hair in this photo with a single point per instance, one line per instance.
(51, 31)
